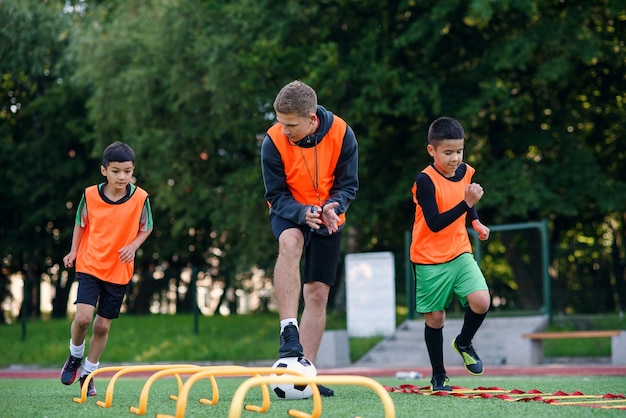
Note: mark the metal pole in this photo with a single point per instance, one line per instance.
(24, 309)
(547, 289)
(194, 298)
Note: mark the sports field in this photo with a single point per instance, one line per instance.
(538, 392)
(34, 389)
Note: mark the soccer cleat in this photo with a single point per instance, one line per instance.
(70, 370)
(290, 343)
(324, 391)
(91, 386)
(440, 382)
(472, 362)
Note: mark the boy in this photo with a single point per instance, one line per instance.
(113, 219)
(441, 251)
(309, 160)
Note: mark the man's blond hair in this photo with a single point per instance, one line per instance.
(296, 97)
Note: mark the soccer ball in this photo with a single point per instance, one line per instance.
(289, 390)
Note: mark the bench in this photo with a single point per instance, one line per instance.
(618, 342)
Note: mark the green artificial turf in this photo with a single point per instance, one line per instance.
(49, 398)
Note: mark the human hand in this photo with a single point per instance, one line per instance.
(313, 218)
(482, 230)
(127, 253)
(473, 193)
(330, 217)
(68, 260)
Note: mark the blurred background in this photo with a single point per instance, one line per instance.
(539, 86)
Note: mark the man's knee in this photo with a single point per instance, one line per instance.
(317, 293)
(290, 243)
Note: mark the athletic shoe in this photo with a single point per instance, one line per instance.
(440, 382)
(324, 391)
(91, 387)
(290, 343)
(70, 370)
(472, 362)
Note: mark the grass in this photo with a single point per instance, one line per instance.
(161, 338)
(241, 338)
(588, 347)
(53, 400)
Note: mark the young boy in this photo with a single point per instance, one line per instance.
(441, 251)
(113, 219)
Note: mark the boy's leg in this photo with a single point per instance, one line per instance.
(433, 335)
(433, 292)
(109, 305)
(474, 316)
(99, 338)
(471, 288)
(81, 322)
(78, 329)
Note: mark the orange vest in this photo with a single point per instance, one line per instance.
(301, 163)
(428, 247)
(109, 228)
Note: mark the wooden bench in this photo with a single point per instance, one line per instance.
(618, 341)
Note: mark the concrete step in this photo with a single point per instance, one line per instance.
(498, 342)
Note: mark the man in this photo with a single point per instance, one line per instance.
(310, 163)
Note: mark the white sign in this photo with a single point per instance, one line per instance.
(370, 294)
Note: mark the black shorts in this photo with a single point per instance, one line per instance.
(108, 297)
(321, 252)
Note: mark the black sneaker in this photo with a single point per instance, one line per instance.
(70, 370)
(324, 391)
(91, 386)
(472, 362)
(440, 382)
(290, 343)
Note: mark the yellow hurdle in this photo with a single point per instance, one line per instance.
(122, 370)
(240, 393)
(177, 371)
(145, 391)
(261, 376)
(181, 404)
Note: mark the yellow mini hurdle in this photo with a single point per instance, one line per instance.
(145, 391)
(261, 376)
(240, 393)
(122, 370)
(262, 381)
(183, 395)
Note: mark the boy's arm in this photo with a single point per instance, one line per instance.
(127, 252)
(146, 224)
(426, 199)
(482, 230)
(77, 236)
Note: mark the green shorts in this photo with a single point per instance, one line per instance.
(436, 284)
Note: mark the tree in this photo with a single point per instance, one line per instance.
(190, 85)
(40, 135)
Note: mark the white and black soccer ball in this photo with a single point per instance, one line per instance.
(289, 390)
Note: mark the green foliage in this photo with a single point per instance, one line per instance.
(189, 84)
